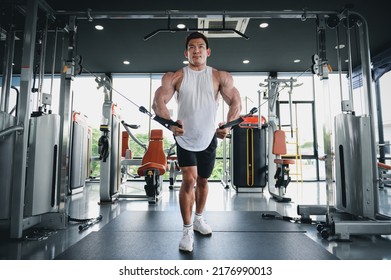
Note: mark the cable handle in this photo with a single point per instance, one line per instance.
(133, 126)
(90, 223)
(240, 119)
(164, 122)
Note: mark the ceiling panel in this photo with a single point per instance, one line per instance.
(271, 49)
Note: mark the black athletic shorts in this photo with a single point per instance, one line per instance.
(204, 160)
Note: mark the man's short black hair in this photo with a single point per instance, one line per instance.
(196, 35)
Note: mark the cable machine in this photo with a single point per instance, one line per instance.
(278, 174)
(35, 141)
(355, 153)
(30, 183)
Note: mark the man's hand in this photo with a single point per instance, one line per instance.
(222, 132)
(177, 131)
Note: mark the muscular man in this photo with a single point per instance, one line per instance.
(198, 87)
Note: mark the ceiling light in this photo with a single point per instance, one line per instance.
(126, 62)
(98, 27)
(296, 60)
(185, 62)
(181, 26)
(263, 25)
(347, 60)
(341, 46)
(246, 61)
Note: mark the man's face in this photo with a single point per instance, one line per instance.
(197, 52)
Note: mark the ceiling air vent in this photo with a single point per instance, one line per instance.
(238, 24)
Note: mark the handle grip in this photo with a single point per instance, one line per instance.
(240, 119)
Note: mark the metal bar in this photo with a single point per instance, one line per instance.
(132, 196)
(65, 109)
(126, 126)
(347, 228)
(175, 14)
(152, 34)
(10, 130)
(290, 108)
(350, 62)
(367, 86)
(382, 154)
(45, 6)
(226, 175)
(53, 61)
(339, 65)
(42, 62)
(7, 69)
(314, 132)
(21, 140)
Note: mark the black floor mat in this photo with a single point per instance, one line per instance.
(155, 235)
(220, 221)
(106, 245)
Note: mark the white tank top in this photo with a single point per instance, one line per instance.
(197, 108)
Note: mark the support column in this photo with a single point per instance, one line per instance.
(21, 139)
(7, 69)
(65, 110)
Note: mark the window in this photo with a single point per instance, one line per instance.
(385, 89)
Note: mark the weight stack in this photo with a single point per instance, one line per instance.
(248, 156)
(80, 160)
(42, 164)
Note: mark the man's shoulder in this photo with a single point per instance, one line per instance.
(173, 75)
(220, 74)
(173, 79)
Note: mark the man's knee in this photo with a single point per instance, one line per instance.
(202, 182)
(188, 178)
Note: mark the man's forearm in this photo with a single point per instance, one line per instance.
(161, 110)
(234, 111)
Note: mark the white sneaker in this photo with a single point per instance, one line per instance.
(201, 226)
(186, 243)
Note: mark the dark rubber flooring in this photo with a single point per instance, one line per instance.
(155, 235)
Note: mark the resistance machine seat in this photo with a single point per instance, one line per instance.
(153, 166)
(282, 173)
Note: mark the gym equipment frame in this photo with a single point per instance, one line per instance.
(355, 152)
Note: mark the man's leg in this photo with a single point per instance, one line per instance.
(186, 193)
(186, 202)
(201, 194)
(205, 165)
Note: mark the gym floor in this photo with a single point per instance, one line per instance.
(47, 245)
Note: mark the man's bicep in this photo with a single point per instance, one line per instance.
(230, 95)
(166, 90)
(227, 88)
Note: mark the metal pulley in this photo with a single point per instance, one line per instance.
(315, 65)
(78, 60)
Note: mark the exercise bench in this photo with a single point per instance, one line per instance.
(153, 166)
(282, 173)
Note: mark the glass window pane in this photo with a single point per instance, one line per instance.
(301, 133)
(249, 89)
(131, 92)
(385, 89)
(87, 99)
(301, 90)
